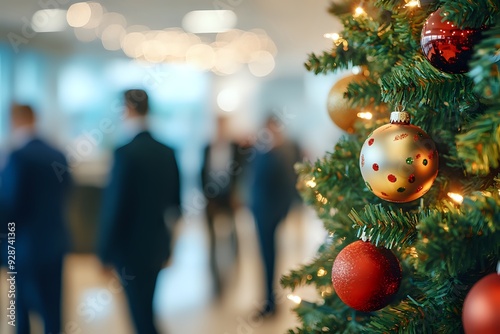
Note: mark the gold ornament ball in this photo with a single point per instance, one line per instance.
(339, 110)
(399, 162)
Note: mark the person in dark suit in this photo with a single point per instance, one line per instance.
(143, 192)
(219, 175)
(272, 195)
(33, 195)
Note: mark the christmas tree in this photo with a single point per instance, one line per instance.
(423, 232)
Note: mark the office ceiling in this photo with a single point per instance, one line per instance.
(296, 26)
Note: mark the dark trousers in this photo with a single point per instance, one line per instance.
(266, 230)
(214, 209)
(139, 283)
(39, 289)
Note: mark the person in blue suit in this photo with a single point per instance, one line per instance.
(273, 193)
(143, 191)
(34, 189)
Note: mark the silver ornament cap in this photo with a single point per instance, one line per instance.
(400, 117)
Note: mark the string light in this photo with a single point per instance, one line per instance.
(413, 252)
(311, 183)
(322, 272)
(332, 35)
(321, 199)
(337, 40)
(456, 197)
(296, 299)
(413, 3)
(365, 115)
(359, 11)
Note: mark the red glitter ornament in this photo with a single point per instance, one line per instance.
(366, 277)
(447, 48)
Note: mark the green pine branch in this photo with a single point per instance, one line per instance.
(385, 227)
(484, 66)
(479, 146)
(454, 239)
(471, 14)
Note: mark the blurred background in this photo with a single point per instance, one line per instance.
(197, 60)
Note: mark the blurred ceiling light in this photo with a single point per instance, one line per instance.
(85, 35)
(228, 99)
(132, 43)
(201, 56)
(153, 50)
(228, 36)
(97, 12)
(181, 44)
(112, 37)
(49, 20)
(268, 44)
(78, 14)
(262, 63)
(247, 44)
(209, 21)
(226, 61)
(111, 19)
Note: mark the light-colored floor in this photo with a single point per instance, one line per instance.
(94, 302)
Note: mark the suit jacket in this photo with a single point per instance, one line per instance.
(227, 177)
(33, 194)
(274, 183)
(144, 184)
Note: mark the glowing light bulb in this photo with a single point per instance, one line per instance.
(311, 183)
(359, 11)
(332, 35)
(295, 299)
(322, 272)
(365, 115)
(413, 3)
(456, 197)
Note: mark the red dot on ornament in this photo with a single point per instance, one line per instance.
(362, 160)
(370, 142)
(384, 194)
(411, 179)
(391, 178)
(418, 156)
(375, 167)
(419, 189)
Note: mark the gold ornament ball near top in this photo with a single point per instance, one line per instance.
(339, 110)
(399, 161)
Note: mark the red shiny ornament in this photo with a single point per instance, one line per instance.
(447, 48)
(366, 277)
(481, 311)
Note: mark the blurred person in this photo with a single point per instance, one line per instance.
(33, 196)
(273, 194)
(141, 199)
(219, 175)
